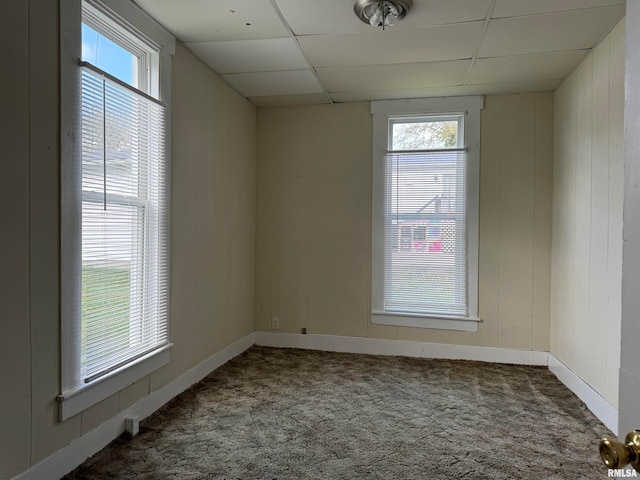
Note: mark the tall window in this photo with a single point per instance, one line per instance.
(425, 225)
(115, 235)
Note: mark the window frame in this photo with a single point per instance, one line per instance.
(125, 23)
(107, 23)
(385, 112)
(404, 119)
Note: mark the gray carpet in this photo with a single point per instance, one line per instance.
(295, 414)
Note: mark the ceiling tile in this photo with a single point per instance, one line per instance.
(514, 8)
(359, 96)
(207, 20)
(291, 82)
(242, 56)
(572, 30)
(537, 66)
(450, 42)
(312, 17)
(290, 100)
(393, 77)
(513, 87)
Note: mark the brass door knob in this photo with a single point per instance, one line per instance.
(616, 454)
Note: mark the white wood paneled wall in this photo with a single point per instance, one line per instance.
(314, 224)
(515, 222)
(587, 217)
(14, 243)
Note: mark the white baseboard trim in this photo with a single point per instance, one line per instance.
(375, 346)
(595, 402)
(68, 458)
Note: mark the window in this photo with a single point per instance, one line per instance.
(115, 95)
(425, 212)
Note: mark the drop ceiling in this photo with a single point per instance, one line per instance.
(291, 52)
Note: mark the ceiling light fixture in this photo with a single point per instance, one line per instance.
(382, 13)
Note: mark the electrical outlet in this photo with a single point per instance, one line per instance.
(275, 323)
(304, 330)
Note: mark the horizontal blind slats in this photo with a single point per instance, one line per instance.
(425, 233)
(124, 253)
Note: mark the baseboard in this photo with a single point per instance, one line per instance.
(595, 402)
(68, 458)
(375, 346)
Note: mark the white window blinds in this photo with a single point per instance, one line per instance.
(124, 231)
(425, 264)
(424, 202)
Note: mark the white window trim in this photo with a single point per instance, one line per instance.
(73, 402)
(72, 399)
(382, 111)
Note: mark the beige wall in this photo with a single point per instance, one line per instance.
(212, 243)
(314, 223)
(587, 217)
(14, 243)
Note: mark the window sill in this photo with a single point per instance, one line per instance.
(73, 402)
(465, 324)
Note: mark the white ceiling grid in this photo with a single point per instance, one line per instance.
(289, 52)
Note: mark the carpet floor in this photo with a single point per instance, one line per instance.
(297, 414)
